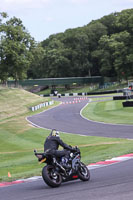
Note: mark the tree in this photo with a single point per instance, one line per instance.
(3, 65)
(124, 21)
(109, 21)
(115, 55)
(55, 61)
(35, 70)
(16, 45)
(122, 54)
(104, 56)
(77, 41)
(95, 30)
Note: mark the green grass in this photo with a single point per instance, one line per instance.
(18, 138)
(14, 102)
(109, 112)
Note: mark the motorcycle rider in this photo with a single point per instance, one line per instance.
(52, 144)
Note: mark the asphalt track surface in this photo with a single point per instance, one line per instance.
(114, 182)
(67, 118)
(106, 183)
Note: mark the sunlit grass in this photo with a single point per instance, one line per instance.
(109, 112)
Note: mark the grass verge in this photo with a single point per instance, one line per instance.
(109, 112)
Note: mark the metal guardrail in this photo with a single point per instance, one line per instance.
(82, 93)
(49, 103)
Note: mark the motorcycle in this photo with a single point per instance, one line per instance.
(58, 170)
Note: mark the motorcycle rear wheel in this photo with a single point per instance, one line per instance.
(51, 177)
(83, 172)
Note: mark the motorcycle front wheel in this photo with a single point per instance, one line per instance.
(51, 177)
(83, 172)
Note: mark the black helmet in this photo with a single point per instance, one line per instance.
(54, 132)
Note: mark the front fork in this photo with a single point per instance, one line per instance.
(75, 163)
(60, 167)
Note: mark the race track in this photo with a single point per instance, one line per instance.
(114, 182)
(67, 118)
(106, 183)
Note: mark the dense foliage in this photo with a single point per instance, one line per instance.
(102, 47)
(15, 49)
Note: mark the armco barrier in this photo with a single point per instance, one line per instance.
(34, 108)
(84, 93)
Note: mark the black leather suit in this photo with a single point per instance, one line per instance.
(52, 143)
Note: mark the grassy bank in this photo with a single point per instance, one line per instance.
(18, 138)
(16, 102)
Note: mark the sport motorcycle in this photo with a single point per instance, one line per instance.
(62, 169)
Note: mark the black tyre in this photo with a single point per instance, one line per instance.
(83, 172)
(51, 177)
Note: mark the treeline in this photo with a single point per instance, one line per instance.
(102, 47)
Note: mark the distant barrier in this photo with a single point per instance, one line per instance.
(41, 105)
(122, 97)
(127, 104)
(83, 93)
